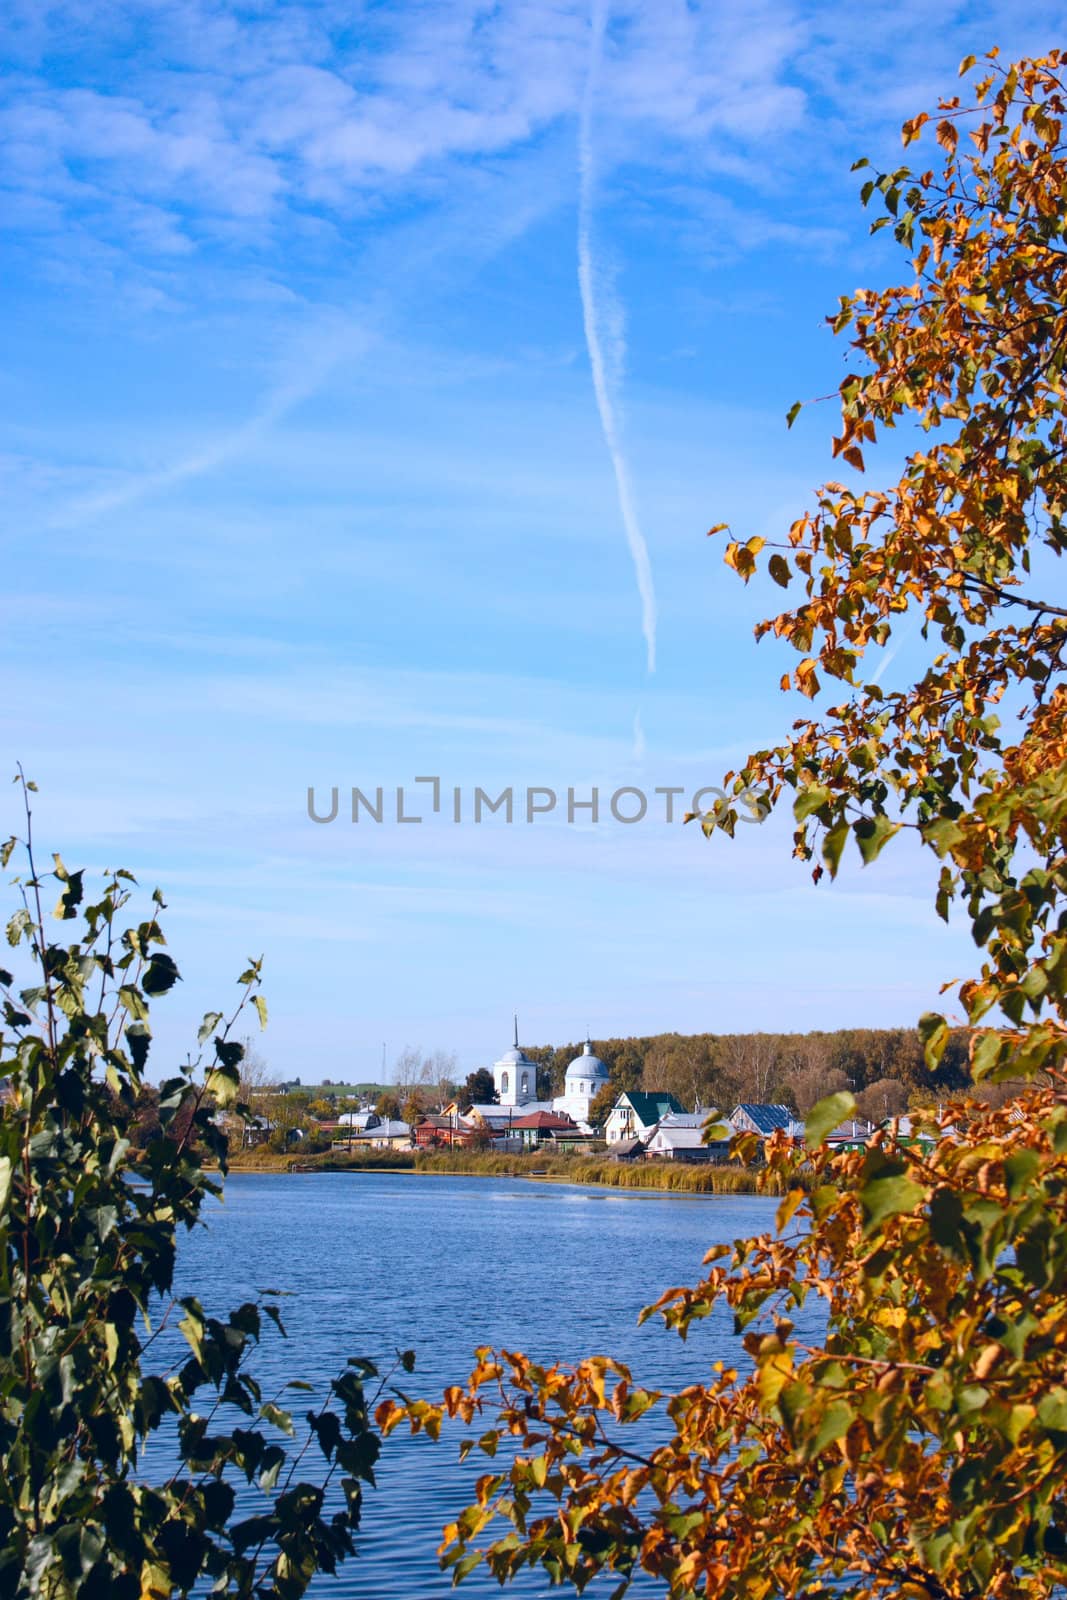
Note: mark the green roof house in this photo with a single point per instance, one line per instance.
(636, 1113)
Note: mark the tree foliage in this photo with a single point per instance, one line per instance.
(89, 1230)
(917, 1445)
(480, 1089)
(919, 1448)
(970, 352)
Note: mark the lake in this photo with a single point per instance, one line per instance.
(383, 1261)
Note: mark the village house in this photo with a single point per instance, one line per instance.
(749, 1117)
(636, 1113)
(442, 1132)
(388, 1135)
(679, 1136)
(539, 1128)
(496, 1120)
(358, 1121)
(852, 1134)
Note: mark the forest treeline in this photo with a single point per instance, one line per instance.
(884, 1067)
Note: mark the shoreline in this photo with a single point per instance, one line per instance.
(699, 1179)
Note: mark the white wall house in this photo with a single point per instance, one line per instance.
(636, 1113)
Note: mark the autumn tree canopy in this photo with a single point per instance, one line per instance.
(968, 354)
(916, 1446)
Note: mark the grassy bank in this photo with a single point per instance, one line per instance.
(667, 1176)
(663, 1175)
(262, 1160)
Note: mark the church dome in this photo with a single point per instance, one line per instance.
(510, 1057)
(588, 1066)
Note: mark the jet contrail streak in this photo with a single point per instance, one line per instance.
(604, 330)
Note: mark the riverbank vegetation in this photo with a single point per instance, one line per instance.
(673, 1176)
(677, 1176)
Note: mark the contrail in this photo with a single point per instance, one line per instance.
(315, 367)
(603, 327)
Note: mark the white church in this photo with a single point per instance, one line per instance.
(515, 1080)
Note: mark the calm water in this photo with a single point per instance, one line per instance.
(443, 1264)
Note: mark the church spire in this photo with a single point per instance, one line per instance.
(516, 1030)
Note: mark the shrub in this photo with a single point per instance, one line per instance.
(88, 1239)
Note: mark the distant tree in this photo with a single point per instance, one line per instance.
(601, 1105)
(144, 1125)
(626, 1064)
(814, 1083)
(387, 1106)
(412, 1110)
(407, 1066)
(479, 1089)
(886, 1097)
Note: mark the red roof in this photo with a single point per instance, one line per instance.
(543, 1119)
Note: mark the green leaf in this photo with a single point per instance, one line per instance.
(833, 846)
(934, 1033)
(160, 975)
(872, 833)
(824, 1117)
(778, 567)
(208, 1026)
(811, 798)
(985, 1056)
(1052, 1410)
(133, 1001)
(71, 898)
(889, 1192)
(223, 1084)
(261, 1009)
(793, 413)
(834, 1424)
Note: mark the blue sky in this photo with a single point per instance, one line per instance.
(309, 481)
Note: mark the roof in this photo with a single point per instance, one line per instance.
(651, 1105)
(767, 1118)
(545, 1119)
(491, 1113)
(386, 1130)
(855, 1128)
(587, 1065)
(689, 1119)
(677, 1138)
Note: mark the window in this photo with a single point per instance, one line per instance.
(525, 1084)
(503, 1083)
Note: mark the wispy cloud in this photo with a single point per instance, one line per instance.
(605, 338)
(311, 371)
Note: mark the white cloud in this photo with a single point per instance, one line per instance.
(606, 340)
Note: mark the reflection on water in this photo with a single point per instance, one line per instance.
(443, 1264)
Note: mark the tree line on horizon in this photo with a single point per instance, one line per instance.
(883, 1067)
